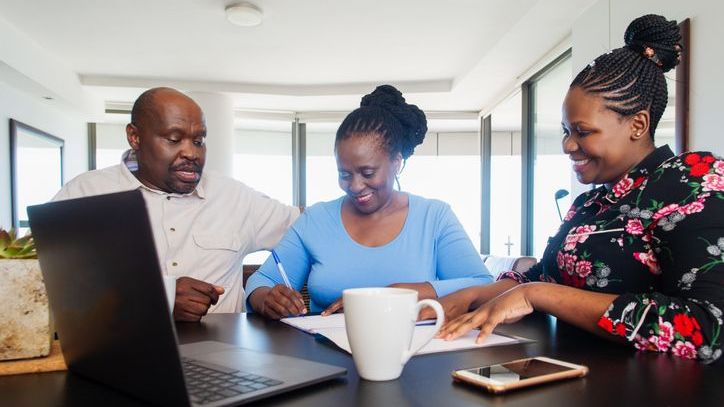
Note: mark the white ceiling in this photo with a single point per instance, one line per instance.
(307, 55)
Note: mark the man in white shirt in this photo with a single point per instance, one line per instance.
(203, 223)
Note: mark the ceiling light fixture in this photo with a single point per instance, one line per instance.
(244, 14)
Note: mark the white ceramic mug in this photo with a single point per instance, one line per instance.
(169, 284)
(380, 324)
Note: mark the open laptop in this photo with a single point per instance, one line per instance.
(104, 285)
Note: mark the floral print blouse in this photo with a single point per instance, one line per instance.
(656, 239)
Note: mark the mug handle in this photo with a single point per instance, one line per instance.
(408, 353)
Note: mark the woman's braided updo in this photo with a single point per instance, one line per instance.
(631, 78)
(401, 126)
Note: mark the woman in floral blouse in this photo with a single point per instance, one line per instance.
(639, 259)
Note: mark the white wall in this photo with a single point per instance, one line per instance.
(602, 26)
(39, 113)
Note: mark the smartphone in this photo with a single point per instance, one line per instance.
(519, 373)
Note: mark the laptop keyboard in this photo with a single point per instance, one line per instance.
(207, 382)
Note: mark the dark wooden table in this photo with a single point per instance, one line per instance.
(618, 375)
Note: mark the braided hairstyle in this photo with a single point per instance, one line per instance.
(631, 78)
(400, 126)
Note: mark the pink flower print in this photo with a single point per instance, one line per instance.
(665, 211)
(666, 333)
(641, 343)
(694, 207)
(570, 263)
(583, 268)
(719, 167)
(713, 182)
(684, 350)
(622, 186)
(577, 235)
(570, 213)
(658, 344)
(561, 260)
(648, 259)
(635, 227)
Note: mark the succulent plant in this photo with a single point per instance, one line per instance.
(12, 247)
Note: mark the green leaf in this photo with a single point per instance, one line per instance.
(662, 310)
(693, 184)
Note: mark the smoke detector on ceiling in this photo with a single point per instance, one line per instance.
(244, 14)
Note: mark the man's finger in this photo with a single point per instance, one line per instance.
(208, 290)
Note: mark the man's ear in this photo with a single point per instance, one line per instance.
(640, 122)
(132, 136)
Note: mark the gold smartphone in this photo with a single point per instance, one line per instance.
(519, 373)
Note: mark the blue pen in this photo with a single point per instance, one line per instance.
(281, 269)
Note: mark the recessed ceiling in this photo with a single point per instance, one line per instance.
(307, 55)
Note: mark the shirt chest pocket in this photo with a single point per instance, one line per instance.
(228, 242)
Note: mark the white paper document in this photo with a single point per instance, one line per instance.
(333, 328)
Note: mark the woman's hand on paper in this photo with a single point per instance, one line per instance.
(281, 301)
(334, 307)
(506, 308)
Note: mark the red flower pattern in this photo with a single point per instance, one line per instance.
(683, 325)
(606, 324)
(691, 159)
(699, 169)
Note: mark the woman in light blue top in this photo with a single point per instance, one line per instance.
(374, 235)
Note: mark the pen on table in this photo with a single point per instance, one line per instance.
(281, 269)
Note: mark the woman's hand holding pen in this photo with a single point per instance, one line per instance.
(280, 301)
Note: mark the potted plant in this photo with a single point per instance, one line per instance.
(24, 315)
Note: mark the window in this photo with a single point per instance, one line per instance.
(447, 167)
(36, 170)
(111, 143)
(551, 169)
(263, 161)
(505, 178)
(321, 165)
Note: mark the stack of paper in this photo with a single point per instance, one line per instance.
(333, 328)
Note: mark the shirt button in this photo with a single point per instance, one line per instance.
(173, 229)
(174, 264)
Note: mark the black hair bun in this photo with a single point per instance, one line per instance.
(660, 35)
(411, 117)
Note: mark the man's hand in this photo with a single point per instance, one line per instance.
(193, 298)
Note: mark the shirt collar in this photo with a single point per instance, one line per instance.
(638, 174)
(129, 165)
(652, 161)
